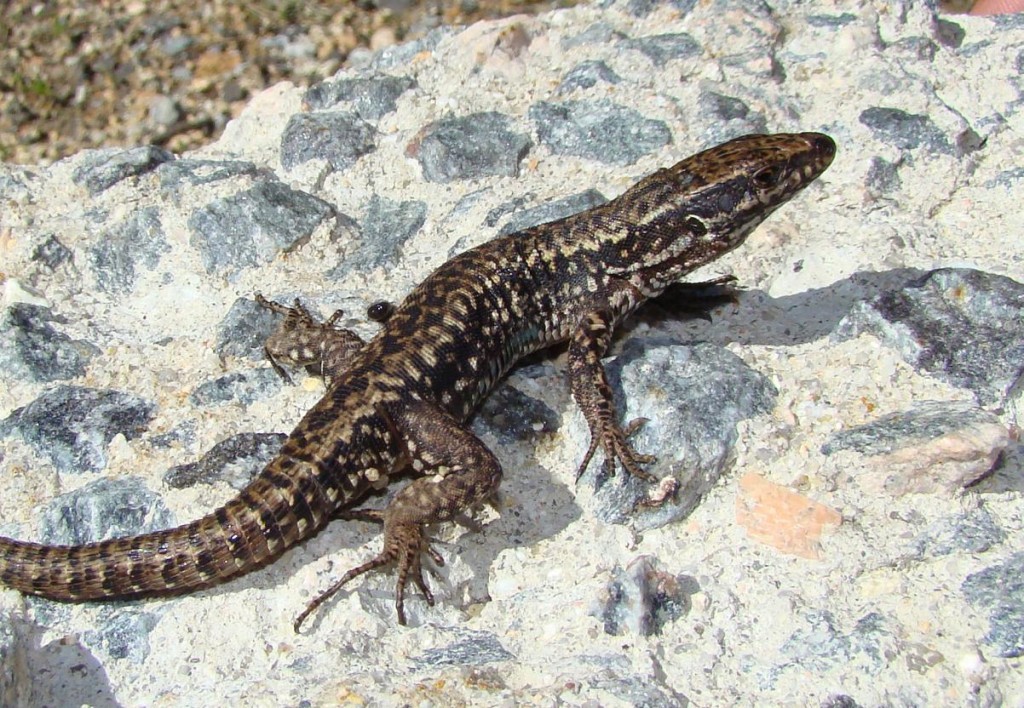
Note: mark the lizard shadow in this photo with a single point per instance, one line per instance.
(61, 672)
(760, 319)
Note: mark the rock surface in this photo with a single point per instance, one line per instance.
(879, 314)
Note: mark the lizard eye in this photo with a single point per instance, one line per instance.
(767, 177)
(695, 225)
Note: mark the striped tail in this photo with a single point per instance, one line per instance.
(273, 513)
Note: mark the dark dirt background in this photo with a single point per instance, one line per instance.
(80, 74)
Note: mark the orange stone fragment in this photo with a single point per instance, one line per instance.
(782, 518)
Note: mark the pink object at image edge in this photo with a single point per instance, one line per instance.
(997, 7)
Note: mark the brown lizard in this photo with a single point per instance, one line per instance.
(398, 404)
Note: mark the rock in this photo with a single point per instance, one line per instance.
(781, 518)
(71, 425)
(102, 509)
(692, 398)
(32, 348)
(962, 325)
(235, 460)
(642, 598)
(339, 138)
(251, 227)
(102, 169)
(936, 446)
(132, 349)
(470, 148)
(1000, 589)
(598, 130)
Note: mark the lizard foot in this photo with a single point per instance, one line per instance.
(404, 544)
(616, 446)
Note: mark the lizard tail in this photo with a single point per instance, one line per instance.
(273, 513)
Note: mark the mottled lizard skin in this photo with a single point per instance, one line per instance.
(399, 403)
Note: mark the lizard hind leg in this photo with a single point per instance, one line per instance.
(458, 472)
(403, 544)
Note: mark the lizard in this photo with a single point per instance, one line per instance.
(397, 406)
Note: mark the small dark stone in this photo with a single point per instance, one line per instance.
(831, 21)
(402, 54)
(250, 228)
(242, 387)
(926, 421)
(971, 532)
(722, 106)
(692, 396)
(31, 348)
(13, 180)
(124, 634)
(663, 48)
(950, 34)
(244, 330)
(597, 33)
(906, 131)
(883, 177)
(586, 75)
(641, 8)
(495, 215)
(725, 117)
(103, 169)
(195, 172)
(1008, 22)
(52, 253)
(102, 509)
(71, 425)
(138, 241)
(338, 138)
(1000, 590)
(236, 460)
(598, 130)
(1007, 178)
(638, 690)
(472, 649)
(820, 644)
(387, 225)
(371, 98)
(471, 147)
(920, 48)
(968, 141)
(552, 211)
(964, 326)
(642, 599)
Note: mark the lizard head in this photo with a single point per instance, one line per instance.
(685, 216)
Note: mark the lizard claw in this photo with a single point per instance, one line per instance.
(616, 447)
(404, 544)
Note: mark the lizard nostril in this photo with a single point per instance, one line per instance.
(822, 143)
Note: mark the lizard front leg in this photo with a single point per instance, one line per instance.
(459, 471)
(589, 384)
